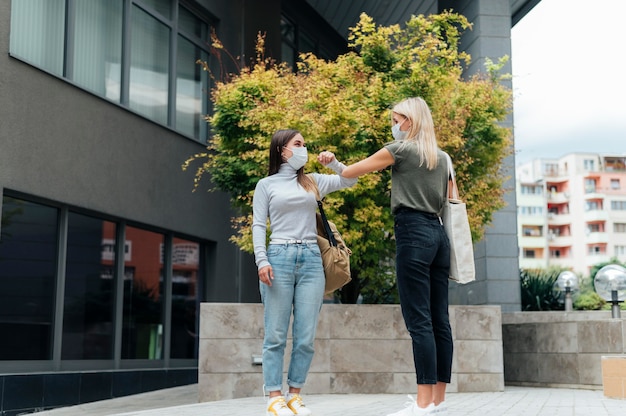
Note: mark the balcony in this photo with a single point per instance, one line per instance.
(597, 237)
(594, 192)
(532, 241)
(594, 195)
(531, 220)
(560, 241)
(558, 197)
(559, 219)
(593, 259)
(528, 263)
(615, 164)
(596, 215)
(560, 261)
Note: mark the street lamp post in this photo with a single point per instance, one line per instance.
(610, 284)
(567, 283)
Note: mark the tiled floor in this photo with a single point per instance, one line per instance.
(514, 401)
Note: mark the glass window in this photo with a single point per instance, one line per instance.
(89, 289)
(88, 51)
(532, 231)
(289, 50)
(529, 210)
(595, 250)
(98, 47)
(551, 169)
(531, 190)
(594, 228)
(38, 33)
(190, 79)
(189, 24)
(288, 32)
(28, 252)
(288, 55)
(149, 66)
(307, 43)
(615, 184)
(618, 205)
(185, 270)
(142, 333)
(160, 6)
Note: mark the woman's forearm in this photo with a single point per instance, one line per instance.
(378, 161)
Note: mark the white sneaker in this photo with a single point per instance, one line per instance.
(441, 409)
(295, 403)
(412, 409)
(277, 406)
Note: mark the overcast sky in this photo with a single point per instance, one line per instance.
(569, 78)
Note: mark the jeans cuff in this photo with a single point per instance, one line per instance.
(295, 385)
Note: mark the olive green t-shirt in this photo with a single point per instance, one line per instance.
(414, 186)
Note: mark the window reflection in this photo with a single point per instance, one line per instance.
(89, 289)
(142, 331)
(83, 42)
(37, 33)
(161, 6)
(29, 257)
(98, 46)
(185, 267)
(28, 249)
(149, 66)
(189, 92)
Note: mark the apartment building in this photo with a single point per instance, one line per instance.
(572, 211)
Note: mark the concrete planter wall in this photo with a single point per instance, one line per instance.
(560, 348)
(359, 349)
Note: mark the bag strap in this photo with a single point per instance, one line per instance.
(329, 233)
(453, 191)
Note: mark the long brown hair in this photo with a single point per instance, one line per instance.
(279, 140)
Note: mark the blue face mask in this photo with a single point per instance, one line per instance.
(298, 158)
(397, 133)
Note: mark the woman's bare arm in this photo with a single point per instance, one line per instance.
(378, 161)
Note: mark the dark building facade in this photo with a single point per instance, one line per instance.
(105, 251)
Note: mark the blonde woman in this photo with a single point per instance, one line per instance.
(419, 178)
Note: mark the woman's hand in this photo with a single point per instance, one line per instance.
(266, 275)
(325, 157)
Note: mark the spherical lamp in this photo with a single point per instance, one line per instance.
(610, 284)
(567, 283)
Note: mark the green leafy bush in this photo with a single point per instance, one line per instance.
(589, 301)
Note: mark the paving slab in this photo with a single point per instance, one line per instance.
(513, 401)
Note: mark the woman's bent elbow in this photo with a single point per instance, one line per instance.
(349, 173)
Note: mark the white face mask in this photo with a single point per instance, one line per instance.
(397, 133)
(298, 158)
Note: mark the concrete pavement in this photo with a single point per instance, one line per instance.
(513, 401)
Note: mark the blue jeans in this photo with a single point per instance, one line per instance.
(422, 269)
(298, 285)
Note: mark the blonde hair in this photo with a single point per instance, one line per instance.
(421, 130)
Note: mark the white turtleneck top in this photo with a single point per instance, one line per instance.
(290, 208)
